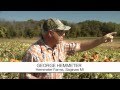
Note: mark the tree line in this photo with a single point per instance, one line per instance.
(32, 28)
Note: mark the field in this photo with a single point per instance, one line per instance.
(12, 50)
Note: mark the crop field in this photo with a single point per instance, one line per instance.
(12, 50)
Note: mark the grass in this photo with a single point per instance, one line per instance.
(115, 43)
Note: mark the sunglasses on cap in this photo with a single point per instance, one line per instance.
(60, 32)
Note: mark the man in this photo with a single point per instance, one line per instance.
(51, 48)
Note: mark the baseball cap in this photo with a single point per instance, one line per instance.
(54, 24)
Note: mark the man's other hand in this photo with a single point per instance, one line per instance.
(109, 37)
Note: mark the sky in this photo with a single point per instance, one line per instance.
(71, 16)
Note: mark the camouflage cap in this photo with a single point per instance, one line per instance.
(54, 24)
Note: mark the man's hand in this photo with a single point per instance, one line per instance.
(109, 37)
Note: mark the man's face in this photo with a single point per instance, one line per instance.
(58, 35)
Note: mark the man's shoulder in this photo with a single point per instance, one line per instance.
(35, 47)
